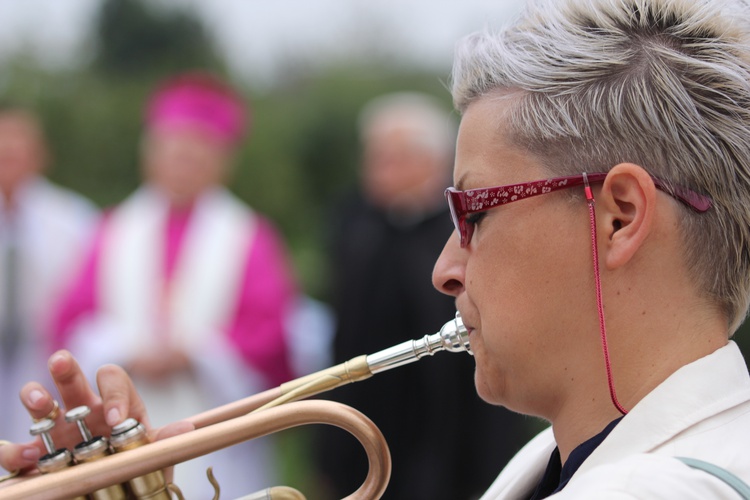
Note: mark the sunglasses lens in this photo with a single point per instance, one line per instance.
(452, 208)
(463, 227)
(467, 230)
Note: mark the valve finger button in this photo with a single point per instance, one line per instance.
(55, 459)
(77, 416)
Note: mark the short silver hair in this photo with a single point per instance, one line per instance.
(661, 83)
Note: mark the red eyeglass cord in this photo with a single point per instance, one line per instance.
(599, 304)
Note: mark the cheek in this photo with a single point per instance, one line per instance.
(531, 262)
(528, 285)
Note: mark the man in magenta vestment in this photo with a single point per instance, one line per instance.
(185, 285)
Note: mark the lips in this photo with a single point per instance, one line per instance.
(466, 322)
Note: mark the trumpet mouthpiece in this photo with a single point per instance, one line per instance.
(452, 337)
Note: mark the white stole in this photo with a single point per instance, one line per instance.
(202, 296)
(206, 280)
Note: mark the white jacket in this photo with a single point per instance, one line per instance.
(701, 411)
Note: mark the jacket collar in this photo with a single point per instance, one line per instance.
(696, 391)
(703, 388)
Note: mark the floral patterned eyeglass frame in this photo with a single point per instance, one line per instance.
(463, 203)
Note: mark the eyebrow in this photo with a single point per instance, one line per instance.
(460, 182)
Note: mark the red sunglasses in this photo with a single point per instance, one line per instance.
(463, 203)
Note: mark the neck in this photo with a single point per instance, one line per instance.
(587, 408)
(646, 346)
(177, 201)
(571, 428)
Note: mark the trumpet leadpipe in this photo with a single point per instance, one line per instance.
(452, 337)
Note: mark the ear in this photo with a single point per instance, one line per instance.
(625, 212)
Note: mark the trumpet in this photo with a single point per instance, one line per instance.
(133, 471)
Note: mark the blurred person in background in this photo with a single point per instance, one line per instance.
(186, 286)
(44, 229)
(385, 240)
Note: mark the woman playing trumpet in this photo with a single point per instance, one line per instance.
(601, 259)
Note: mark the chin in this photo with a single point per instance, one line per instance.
(181, 197)
(485, 390)
(494, 391)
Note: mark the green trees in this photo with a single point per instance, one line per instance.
(136, 39)
(302, 151)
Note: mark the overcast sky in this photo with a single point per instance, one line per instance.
(257, 35)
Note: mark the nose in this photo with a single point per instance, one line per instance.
(448, 273)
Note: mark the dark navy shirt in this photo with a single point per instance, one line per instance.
(556, 476)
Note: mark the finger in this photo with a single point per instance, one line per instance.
(39, 402)
(72, 384)
(120, 400)
(19, 456)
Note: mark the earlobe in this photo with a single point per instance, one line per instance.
(625, 208)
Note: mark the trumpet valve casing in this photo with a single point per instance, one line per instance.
(129, 435)
(92, 449)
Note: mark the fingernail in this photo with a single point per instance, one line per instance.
(113, 417)
(35, 396)
(55, 358)
(30, 454)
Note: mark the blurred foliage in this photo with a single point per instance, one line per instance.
(134, 38)
(301, 155)
(302, 152)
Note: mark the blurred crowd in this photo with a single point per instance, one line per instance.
(194, 292)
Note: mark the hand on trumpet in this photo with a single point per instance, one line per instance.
(115, 401)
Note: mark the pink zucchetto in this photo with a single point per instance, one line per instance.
(200, 101)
